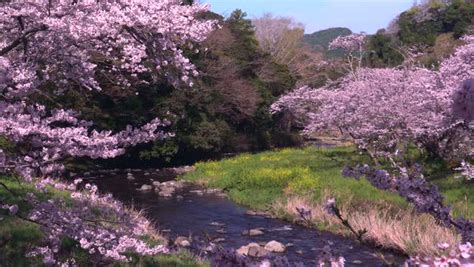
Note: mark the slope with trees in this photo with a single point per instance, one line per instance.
(320, 40)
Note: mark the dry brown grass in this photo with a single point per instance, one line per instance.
(402, 230)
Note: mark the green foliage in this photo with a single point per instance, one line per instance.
(416, 27)
(320, 41)
(17, 236)
(417, 33)
(6, 144)
(259, 180)
(458, 17)
(433, 27)
(382, 51)
(246, 46)
(227, 110)
(165, 149)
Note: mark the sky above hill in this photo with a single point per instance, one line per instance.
(357, 15)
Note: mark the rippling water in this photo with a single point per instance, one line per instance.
(210, 216)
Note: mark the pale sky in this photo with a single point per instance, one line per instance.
(357, 15)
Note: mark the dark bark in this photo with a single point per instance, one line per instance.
(21, 40)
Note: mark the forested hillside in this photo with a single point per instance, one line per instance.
(428, 32)
(423, 35)
(225, 111)
(320, 40)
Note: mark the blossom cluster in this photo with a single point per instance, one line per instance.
(385, 109)
(101, 225)
(467, 170)
(351, 42)
(12, 209)
(379, 107)
(411, 185)
(23, 123)
(76, 44)
(66, 40)
(463, 255)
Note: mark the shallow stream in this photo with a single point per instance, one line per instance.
(211, 216)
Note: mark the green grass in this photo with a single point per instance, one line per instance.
(258, 180)
(183, 259)
(18, 236)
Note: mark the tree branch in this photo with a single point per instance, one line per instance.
(21, 39)
(8, 189)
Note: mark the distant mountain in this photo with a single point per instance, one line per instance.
(320, 40)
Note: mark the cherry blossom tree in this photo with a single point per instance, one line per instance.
(353, 45)
(80, 45)
(52, 45)
(385, 109)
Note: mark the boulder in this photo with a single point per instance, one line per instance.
(257, 252)
(275, 246)
(182, 241)
(146, 187)
(175, 184)
(166, 191)
(244, 250)
(255, 232)
(156, 183)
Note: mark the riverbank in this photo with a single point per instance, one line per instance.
(19, 235)
(280, 181)
(200, 219)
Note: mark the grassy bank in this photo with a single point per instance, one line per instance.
(279, 181)
(18, 236)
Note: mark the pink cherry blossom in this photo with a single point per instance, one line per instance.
(385, 109)
(77, 45)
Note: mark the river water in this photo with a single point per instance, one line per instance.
(210, 217)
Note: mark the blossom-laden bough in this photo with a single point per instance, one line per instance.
(387, 110)
(101, 225)
(53, 46)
